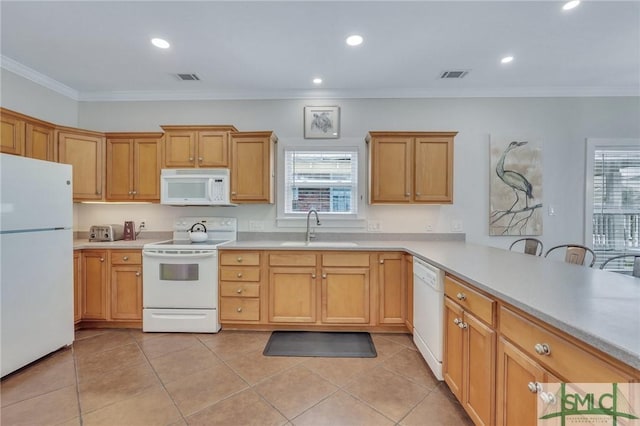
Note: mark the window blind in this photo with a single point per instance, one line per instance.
(323, 180)
(616, 202)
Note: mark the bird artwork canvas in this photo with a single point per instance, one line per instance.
(515, 188)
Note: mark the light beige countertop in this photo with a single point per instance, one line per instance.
(85, 244)
(598, 307)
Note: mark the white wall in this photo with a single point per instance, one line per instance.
(561, 124)
(21, 95)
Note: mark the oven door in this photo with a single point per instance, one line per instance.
(180, 279)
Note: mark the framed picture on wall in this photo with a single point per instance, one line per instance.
(321, 122)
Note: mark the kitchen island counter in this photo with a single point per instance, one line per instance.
(598, 307)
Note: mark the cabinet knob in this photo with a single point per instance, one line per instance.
(239, 291)
(417, 193)
(190, 158)
(125, 258)
(406, 194)
(381, 261)
(239, 274)
(102, 259)
(130, 192)
(239, 310)
(233, 192)
(135, 192)
(313, 276)
(456, 321)
(137, 274)
(200, 159)
(462, 325)
(534, 387)
(461, 296)
(542, 349)
(239, 259)
(548, 398)
(324, 275)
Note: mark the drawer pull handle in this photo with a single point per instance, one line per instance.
(239, 309)
(542, 349)
(239, 259)
(125, 258)
(461, 296)
(548, 398)
(534, 387)
(239, 274)
(239, 291)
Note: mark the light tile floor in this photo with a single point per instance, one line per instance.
(126, 377)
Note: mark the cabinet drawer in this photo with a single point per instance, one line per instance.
(239, 274)
(239, 289)
(481, 306)
(569, 361)
(345, 259)
(238, 308)
(126, 257)
(292, 259)
(240, 258)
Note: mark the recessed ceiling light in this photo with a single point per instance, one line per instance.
(571, 4)
(354, 40)
(506, 59)
(317, 80)
(158, 42)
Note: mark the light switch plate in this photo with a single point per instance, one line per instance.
(456, 226)
(373, 226)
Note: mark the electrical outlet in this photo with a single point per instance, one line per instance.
(429, 227)
(373, 226)
(256, 225)
(456, 226)
(143, 224)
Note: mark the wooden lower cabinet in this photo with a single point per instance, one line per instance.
(470, 355)
(110, 285)
(240, 287)
(392, 287)
(292, 294)
(345, 295)
(94, 268)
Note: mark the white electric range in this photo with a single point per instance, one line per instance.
(180, 281)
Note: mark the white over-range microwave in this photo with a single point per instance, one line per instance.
(195, 187)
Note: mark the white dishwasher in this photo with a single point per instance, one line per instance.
(428, 305)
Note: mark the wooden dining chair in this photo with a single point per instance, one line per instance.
(620, 260)
(532, 246)
(575, 253)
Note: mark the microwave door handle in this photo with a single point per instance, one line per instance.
(210, 189)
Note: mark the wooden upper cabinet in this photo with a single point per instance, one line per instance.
(85, 151)
(410, 167)
(196, 146)
(12, 133)
(253, 167)
(39, 141)
(134, 161)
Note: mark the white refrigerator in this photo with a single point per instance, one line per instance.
(36, 256)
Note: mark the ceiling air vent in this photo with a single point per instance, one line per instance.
(188, 77)
(454, 74)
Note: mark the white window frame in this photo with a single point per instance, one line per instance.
(594, 144)
(329, 220)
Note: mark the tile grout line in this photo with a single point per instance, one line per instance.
(77, 380)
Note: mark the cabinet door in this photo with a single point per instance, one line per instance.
(516, 402)
(391, 169)
(85, 153)
(39, 142)
(12, 134)
(433, 169)
(392, 285)
(452, 363)
(213, 149)
(345, 295)
(126, 292)
(119, 169)
(251, 169)
(180, 148)
(479, 370)
(292, 295)
(147, 163)
(94, 279)
(77, 286)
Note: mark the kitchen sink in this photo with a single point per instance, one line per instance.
(319, 244)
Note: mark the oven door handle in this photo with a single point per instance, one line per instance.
(179, 255)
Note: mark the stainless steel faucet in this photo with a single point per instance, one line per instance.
(309, 230)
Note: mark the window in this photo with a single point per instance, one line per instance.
(613, 170)
(323, 180)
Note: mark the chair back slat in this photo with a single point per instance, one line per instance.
(575, 255)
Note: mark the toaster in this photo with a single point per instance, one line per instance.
(106, 232)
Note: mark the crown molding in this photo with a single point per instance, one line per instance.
(38, 78)
(402, 93)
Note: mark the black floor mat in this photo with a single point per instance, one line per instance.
(321, 344)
